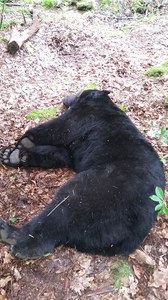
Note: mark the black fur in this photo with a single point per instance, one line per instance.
(105, 208)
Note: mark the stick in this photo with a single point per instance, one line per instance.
(57, 206)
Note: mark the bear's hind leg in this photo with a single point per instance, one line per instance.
(27, 242)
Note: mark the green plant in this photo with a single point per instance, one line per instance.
(114, 5)
(48, 3)
(41, 113)
(3, 39)
(161, 133)
(120, 270)
(90, 85)
(105, 3)
(164, 158)
(84, 5)
(123, 107)
(23, 10)
(139, 6)
(165, 99)
(161, 207)
(47, 254)
(158, 71)
(8, 24)
(12, 220)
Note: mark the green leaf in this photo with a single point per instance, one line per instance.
(163, 130)
(164, 158)
(47, 254)
(165, 140)
(155, 198)
(159, 192)
(160, 212)
(41, 113)
(12, 220)
(165, 210)
(158, 207)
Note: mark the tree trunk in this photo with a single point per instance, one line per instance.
(17, 38)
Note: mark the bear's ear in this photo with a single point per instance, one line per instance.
(94, 94)
(85, 95)
(97, 94)
(106, 92)
(69, 100)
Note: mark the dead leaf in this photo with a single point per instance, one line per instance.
(8, 257)
(137, 271)
(17, 274)
(4, 281)
(79, 284)
(3, 297)
(143, 258)
(160, 278)
(165, 234)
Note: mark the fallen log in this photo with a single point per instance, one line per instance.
(17, 39)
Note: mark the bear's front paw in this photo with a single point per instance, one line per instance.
(13, 156)
(3, 229)
(6, 232)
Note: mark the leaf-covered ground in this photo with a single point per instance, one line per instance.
(73, 51)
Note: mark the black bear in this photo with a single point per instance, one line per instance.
(105, 208)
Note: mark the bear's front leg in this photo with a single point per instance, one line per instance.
(13, 156)
(37, 156)
(25, 242)
(7, 232)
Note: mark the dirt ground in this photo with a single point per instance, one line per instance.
(73, 51)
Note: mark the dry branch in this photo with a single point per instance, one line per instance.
(17, 38)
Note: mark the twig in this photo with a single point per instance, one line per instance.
(24, 19)
(57, 206)
(13, 4)
(100, 291)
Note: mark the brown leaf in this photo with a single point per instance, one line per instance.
(137, 271)
(160, 278)
(143, 258)
(17, 274)
(79, 284)
(4, 281)
(8, 257)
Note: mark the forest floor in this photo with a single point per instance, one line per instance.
(71, 52)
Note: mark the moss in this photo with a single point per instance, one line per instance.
(90, 85)
(120, 271)
(123, 107)
(41, 113)
(158, 71)
(84, 5)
